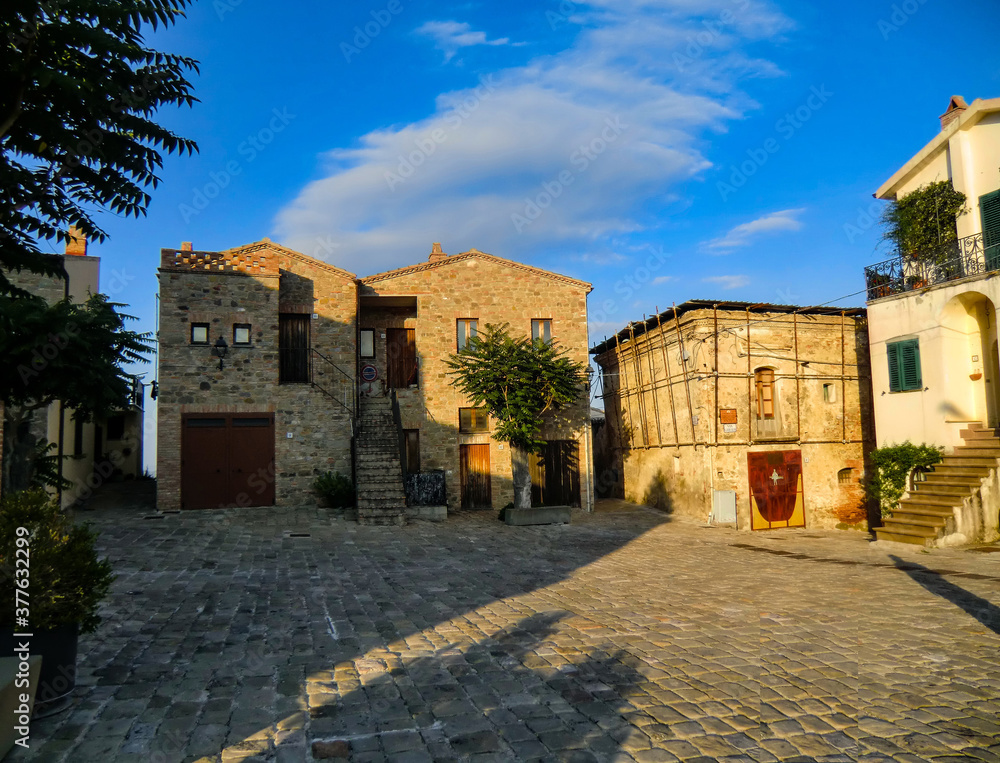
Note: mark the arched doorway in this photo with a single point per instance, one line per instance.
(971, 358)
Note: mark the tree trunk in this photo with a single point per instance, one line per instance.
(521, 472)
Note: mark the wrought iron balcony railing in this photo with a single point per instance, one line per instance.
(953, 260)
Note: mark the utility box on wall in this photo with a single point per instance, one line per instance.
(724, 507)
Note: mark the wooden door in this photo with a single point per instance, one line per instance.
(227, 460)
(776, 495)
(475, 476)
(555, 475)
(293, 348)
(401, 357)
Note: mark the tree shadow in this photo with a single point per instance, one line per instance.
(985, 612)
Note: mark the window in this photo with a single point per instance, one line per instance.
(293, 348)
(466, 330)
(989, 208)
(411, 451)
(765, 393)
(367, 343)
(904, 365)
(472, 420)
(829, 393)
(77, 437)
(241, 333)
(845, 476)
(116, 427)
(199, 333)
(541, 330)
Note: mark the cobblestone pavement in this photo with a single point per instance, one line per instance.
(288, 635)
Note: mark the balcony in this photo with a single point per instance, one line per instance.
(956, 259)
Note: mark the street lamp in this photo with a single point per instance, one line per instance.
(220, 349)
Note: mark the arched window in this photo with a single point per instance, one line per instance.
(845, 476)
(765, 392)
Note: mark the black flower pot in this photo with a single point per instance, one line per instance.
(57, 648)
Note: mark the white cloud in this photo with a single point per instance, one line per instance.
(450, 36)
(662, 279)
(728, 282)
(575, 144)
(743, 234)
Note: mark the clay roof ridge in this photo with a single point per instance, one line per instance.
(421, 266)
(268, 244)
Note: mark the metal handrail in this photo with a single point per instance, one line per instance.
(321, 388)
(952, 260)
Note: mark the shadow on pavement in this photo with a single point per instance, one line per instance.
(982, 610)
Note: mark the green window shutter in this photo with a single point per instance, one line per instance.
(989, 207)
(909, 365)
(892, 350)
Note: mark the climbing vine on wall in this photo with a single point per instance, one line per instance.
(923, 224)
(892, 466)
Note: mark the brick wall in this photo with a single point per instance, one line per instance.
(474, 285)
(253, 285)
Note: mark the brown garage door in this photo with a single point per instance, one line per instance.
(555, 475)
(475, 476)
(227, 459)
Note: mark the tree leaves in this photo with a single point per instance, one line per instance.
(922, 224)
(518, 382)
(76, 100)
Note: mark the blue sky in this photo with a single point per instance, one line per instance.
(661, 149)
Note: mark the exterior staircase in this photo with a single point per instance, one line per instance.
(935, 506)
(378, 473)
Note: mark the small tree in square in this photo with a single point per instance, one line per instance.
(518, 381)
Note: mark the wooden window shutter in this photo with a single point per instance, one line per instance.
(989, 207)
(909, 365)
(892, 350)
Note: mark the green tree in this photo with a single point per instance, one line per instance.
(60, 352)
(518, 382)
(77, 96)
(923, 224)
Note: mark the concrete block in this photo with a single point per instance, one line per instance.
(538, 515)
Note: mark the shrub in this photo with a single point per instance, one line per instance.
(892, 466)
(66, 580)
(336, 489)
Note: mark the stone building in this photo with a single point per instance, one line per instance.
(95, 451)
(327, 372)
(753, 414)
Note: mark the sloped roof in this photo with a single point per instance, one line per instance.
(474, 254)
(638, 328)
(266, 243)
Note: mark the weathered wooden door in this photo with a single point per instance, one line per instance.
(776, 496)
(293, 348)
(401, 357)
(475, 476)
(555, 475)
(227, 460)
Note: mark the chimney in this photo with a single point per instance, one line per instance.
(77, 244)
(436, 253)
(956, 106)
(186, 246)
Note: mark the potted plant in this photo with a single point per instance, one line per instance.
(53, 563)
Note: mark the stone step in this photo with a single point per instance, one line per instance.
(918, 520)
(989, 441)
(941, 488)
(946, 501)
(966, 451)
(969, 460)
(898, 537)
(369, 472)
(946, 470)
(927, 511)
(971, 481)
(975, 432)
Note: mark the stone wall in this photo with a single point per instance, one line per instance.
(490, 290)
(674, 455)
(254, 284)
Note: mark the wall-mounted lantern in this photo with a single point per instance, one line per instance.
(220, 349)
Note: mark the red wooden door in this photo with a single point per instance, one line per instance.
(475, 476)
(776, 495)
(227, 460)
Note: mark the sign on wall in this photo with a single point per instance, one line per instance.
(369, 372)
